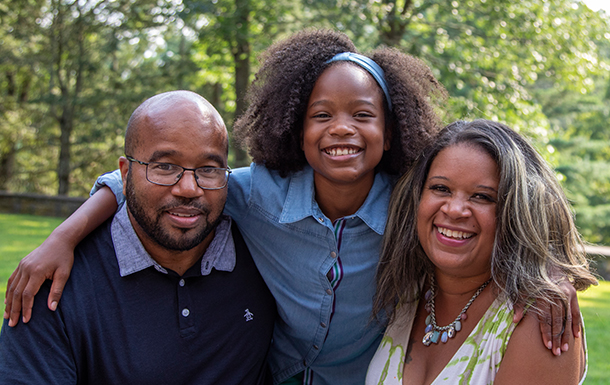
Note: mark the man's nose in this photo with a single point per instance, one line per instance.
(187, 186)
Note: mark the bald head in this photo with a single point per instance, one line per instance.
(162, 111)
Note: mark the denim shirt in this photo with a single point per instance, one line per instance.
(293, 245)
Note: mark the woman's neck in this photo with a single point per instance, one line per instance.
(459, 286)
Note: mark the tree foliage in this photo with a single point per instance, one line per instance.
(71, 72)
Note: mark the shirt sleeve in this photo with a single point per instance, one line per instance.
(37, 352)
(112, 180)
(239, 192)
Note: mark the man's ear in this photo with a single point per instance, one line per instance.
(124, 167)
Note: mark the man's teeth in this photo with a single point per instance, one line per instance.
(454, 234)
(183, 215)
(341, 151)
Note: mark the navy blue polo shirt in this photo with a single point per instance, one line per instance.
(213, 325)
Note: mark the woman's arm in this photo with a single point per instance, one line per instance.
(54, 258)
(526, 360)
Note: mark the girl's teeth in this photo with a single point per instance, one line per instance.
(339, 151)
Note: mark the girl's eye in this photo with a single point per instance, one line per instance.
(321, 115)
(363, 115)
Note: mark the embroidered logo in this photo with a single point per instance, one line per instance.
(248, 316)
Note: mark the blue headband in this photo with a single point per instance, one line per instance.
(370, 66)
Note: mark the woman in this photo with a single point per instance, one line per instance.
(492, 228)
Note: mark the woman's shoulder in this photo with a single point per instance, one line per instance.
(527, 360)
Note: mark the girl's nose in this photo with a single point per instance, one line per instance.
(341, 126)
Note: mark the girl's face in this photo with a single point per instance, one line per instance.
(456, 219)
(344, 129)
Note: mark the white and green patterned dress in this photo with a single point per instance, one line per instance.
(476, 362)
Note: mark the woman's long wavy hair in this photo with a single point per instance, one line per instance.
(536, 242)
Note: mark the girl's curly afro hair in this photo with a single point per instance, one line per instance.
(271, 126)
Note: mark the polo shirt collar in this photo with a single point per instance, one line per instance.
(132, 257)
(300, 200)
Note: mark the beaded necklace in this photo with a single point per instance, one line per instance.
(433, 331)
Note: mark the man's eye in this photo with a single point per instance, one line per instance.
(162, 167)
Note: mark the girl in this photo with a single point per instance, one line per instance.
(328, 130)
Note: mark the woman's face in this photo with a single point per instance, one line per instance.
(344, 127)
(456, 219)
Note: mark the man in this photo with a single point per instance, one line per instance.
(165, 292)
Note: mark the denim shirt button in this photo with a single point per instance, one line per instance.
(329, 291)
(333, 254)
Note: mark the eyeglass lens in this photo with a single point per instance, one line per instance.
(169, 174)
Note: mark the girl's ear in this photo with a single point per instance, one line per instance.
(387, 140)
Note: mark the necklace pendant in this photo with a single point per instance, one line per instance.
(435, 335)
(428, 329)
(444, 337)
(451, 332)
(458, 326)
(427, 339)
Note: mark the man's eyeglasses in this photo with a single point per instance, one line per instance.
(167, 174)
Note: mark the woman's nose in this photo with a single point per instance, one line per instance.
(456, 207)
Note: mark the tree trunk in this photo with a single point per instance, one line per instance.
(394, 24)
(63, 167)
(7, 162)
(241, 56)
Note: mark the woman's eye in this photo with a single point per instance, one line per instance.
(439, 188)
(484, 197)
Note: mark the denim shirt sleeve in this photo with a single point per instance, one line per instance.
(112, 180)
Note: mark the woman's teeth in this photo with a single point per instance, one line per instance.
(454, 234)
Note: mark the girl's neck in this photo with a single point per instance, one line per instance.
(339, 200)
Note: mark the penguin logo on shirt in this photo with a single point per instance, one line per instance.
(248, 316)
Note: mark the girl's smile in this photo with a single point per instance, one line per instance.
(344, 133)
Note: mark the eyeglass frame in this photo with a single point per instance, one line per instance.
(226, 169)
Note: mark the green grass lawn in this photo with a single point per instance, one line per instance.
(20, 234)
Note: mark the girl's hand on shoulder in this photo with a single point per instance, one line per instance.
(556, 321)
(51, 260)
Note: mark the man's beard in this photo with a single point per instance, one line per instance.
(155, 231)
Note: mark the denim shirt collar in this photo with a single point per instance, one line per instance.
(132, 257)
(301, 203)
